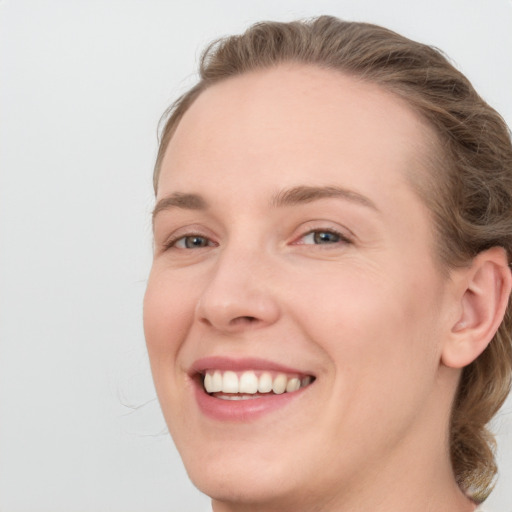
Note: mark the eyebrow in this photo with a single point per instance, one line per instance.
(288, 197)
(180, 200)
(308, 194)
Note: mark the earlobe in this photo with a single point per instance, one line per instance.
(484, 294)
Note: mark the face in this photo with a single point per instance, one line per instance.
(294, 272)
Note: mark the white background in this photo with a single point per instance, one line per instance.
(83, 84)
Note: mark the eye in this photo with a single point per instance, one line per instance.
(190, 242)
(323, 237)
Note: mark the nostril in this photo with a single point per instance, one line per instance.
(239, 321)
(243, 320)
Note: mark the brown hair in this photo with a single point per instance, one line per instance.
(469, 191)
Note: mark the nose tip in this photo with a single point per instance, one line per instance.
(236, 300)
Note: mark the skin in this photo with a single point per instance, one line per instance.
(370, 315)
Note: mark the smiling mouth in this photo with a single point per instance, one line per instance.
(249, 384)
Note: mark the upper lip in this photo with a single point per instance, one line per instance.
(241, 364)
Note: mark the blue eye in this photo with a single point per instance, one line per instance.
(325, 237)
(191, 242)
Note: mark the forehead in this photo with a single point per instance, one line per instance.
(293, 122)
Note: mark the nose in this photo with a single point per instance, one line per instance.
(239, 293)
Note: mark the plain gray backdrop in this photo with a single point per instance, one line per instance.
(83, 84)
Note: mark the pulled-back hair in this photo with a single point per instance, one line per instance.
(468, 191)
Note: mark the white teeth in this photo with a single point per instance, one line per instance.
(216, 382)
(229, 382)
(265, 383)
(208, 381)
(248, 384)
(238, 397)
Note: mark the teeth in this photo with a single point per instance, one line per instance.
(239, 397)
(213, 381)
(265, 383)
(292, 385)
(279, 384)
(230, 382)
(208, 381)
(306, 381)
(248, 383)
(216, 382)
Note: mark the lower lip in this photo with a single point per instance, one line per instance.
(242, 410)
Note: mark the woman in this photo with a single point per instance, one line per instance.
(327, 315)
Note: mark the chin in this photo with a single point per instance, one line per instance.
(268, 490)
(246, 492)
(256, 476)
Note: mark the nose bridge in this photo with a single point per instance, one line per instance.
(239, 291)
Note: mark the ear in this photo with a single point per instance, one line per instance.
(483, 294)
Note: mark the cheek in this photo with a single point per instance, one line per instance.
(381, 341)
(370, 324)
(168, 312)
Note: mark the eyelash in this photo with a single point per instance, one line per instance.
(343, 239)
(172, 242)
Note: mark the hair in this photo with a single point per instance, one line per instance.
(468, 191)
